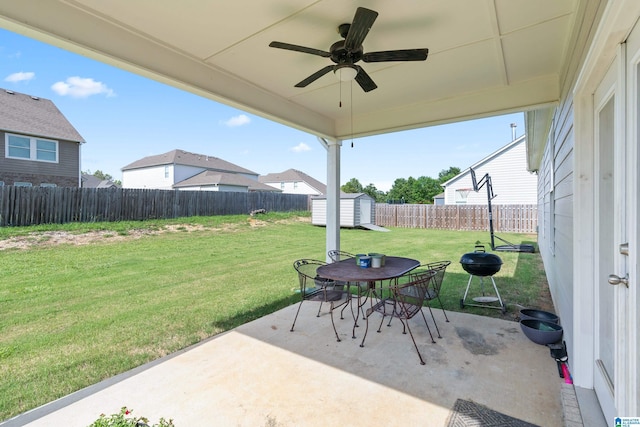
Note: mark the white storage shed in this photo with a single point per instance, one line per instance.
(356, 210)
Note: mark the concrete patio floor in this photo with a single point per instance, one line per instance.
(260, 374)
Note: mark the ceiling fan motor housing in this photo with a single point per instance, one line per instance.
(341, 55)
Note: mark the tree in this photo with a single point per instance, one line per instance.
(446, 174)
(399, 191)
(424, 189)
(376, 194)
(353, 186)
(412, 190)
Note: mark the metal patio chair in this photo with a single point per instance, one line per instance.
(405, 300)
(436, 283)
(336, 255)
(319, 289)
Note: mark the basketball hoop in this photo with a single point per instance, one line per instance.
(464, 192)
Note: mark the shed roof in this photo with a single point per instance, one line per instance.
(186, 158)
(32, 115)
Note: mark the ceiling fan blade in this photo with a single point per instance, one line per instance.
(296, 48)
(364, 80)
(315, 76)
(362, 22)
(396, 55)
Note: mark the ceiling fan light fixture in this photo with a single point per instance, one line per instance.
(345, 73)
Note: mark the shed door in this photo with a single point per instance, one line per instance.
(365, 211)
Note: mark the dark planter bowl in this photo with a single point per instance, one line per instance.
(541, 332)
(532, 313)
(481, 263)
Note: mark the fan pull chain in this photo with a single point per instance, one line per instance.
(351, 95)
(350, 107)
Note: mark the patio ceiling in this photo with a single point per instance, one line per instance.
(486, 57)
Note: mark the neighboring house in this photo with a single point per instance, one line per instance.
(218, 181)
(91, 181)
(293, 181)
(512, 183)
(41, 147)
(179, 169)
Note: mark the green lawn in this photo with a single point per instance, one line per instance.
(73, 315)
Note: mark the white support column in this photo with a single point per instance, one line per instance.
(333, 194)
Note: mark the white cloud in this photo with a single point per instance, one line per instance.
(78, 87)
(300, 148)
(239, 120)
(20, 77)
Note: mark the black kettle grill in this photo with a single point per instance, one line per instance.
(482, 264)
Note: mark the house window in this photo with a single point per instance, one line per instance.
(22, 184)
(282, 185)
(295, 184)
(166, 171)
(47, 184)
(27, 148)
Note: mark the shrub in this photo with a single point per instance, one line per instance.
(122, 419)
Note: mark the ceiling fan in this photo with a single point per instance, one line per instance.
(345, 53)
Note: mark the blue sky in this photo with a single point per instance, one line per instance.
(124, 117)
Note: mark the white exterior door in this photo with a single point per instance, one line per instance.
(616, 114)
(607, 141)
(627, 253)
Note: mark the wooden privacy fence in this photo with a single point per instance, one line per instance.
(21, 206)
(506, 218)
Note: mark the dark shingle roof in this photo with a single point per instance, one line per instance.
(293, 175)
(31, 115)
(221, 178)
(91, 181)
(181, 157)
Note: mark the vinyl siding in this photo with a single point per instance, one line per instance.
(319, 212)
(512, 183)
(349, 212)
(555, 214)
(297, 187)
(68, 162)
(152, 177)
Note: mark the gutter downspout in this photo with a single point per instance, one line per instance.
(333, 194)
(80, 164)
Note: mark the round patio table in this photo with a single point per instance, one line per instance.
(348, 271)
